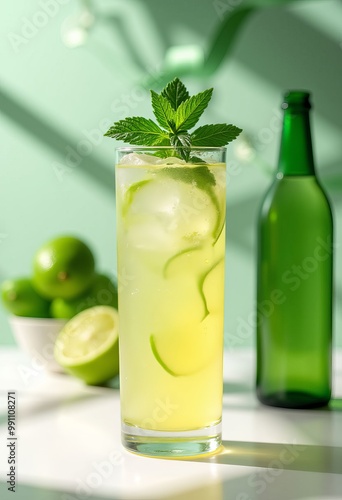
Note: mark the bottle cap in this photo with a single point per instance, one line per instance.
(296, 99)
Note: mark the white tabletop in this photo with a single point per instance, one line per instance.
(68, 443)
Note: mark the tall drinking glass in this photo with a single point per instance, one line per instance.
(171, 250)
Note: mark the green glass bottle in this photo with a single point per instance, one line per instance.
(294, 281)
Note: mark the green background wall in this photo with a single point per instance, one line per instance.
(55, 101)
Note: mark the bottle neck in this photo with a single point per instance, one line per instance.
(296, 157)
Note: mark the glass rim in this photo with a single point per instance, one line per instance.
(188, 148)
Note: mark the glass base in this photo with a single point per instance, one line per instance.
(171, 444)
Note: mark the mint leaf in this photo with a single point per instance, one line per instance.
(176, 93)
(140, 131)
(189, 111)
(163, 111)
(215, 135)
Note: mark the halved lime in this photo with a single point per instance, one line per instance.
(88, 345)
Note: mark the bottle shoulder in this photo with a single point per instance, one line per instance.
(305, 188)
(296, 195)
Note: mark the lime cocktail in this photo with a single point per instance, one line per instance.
(171, 249)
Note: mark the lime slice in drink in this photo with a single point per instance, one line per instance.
(188, 347)
(183, 266)
(179, 263)
(88, 345)
(210, 286)
(210, 283)
(159, 359)
(129, 194)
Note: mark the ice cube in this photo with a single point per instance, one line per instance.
(139, 159)
(166, 213)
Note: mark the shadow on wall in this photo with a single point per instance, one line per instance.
(60, 143)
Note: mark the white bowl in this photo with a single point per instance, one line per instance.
(36, 337)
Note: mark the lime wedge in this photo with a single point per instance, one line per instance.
(88, 345)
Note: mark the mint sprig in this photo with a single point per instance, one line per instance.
(176, 112)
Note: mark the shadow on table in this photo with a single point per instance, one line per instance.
(261, 485)
(335, 405)
(44, 405)
(236, 388)
(295, 457)
(250, 401)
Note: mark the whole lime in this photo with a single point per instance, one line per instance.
(21, 299)
(63, 267)
(103, 292)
